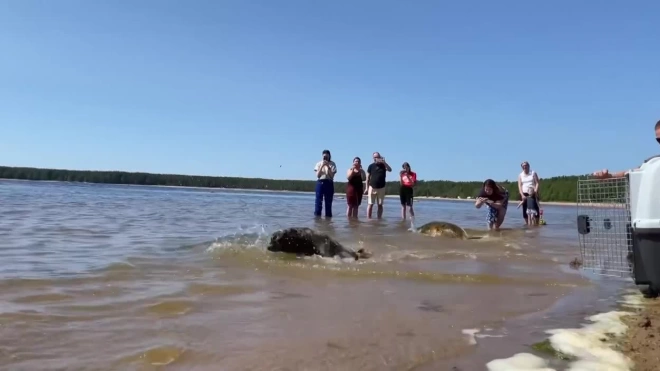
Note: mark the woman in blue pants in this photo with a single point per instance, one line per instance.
(325, 187)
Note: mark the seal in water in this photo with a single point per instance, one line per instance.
(305, 241)
(575, 263)
(445, 229)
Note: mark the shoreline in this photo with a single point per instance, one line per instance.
(641, 343)
(620, 339)
(339, 196)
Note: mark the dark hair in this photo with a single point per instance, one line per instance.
(357, 158)
(657, 125)
(327, 152)
(491, 183)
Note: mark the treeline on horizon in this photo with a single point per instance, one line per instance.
(562, 188)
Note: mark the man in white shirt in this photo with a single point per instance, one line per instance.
(325, 188)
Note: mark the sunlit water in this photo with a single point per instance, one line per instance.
(125, 277)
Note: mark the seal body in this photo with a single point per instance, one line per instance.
(444, 229)
(306, 241)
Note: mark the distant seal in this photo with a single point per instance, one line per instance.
(575, 263)
(445, 229)
(306, 241)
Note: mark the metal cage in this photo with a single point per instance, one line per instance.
(603, 218)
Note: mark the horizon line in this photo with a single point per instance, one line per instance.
(243, 177)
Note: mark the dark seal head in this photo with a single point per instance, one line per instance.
(306, 241)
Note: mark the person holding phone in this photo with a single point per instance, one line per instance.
(408, 180)
(376, 182)
(325, 187)
(355, 187)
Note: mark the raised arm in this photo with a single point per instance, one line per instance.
(333, 168)
(605, 174)
(318, 168)
(349, 173)
(537, 184)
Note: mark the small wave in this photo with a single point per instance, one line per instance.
(170, 307)
(250, 237)
(162, 355)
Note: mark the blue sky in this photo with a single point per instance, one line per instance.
(258, 88)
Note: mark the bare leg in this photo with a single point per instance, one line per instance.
(412, 212)
(370, 208)
(500, 218)
(403, 212)
(380, 211)
(355, 212)
(349, 211)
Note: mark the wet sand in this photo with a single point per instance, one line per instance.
(642, 341)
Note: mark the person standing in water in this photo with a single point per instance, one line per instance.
(355, 187)
(528, 179)
(325, 187)
(531, 205)
(408, 180)
(376, 182)
(496, 199)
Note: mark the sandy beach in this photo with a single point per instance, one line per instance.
(642, 340)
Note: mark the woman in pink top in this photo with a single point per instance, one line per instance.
(408, 179)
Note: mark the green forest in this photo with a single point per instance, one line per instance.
(563, 188)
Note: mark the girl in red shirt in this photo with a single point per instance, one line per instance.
(408, 180)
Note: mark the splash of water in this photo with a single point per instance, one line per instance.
(412, 226)
(255, 236)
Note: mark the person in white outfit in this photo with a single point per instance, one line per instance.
(528, 178)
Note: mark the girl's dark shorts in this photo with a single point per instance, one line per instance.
(406, 196)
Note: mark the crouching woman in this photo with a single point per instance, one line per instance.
(496, 199)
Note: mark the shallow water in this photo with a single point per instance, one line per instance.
(126, 277)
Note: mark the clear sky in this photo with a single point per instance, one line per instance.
(463, 90)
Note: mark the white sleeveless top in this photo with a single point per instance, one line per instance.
(527, 180)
